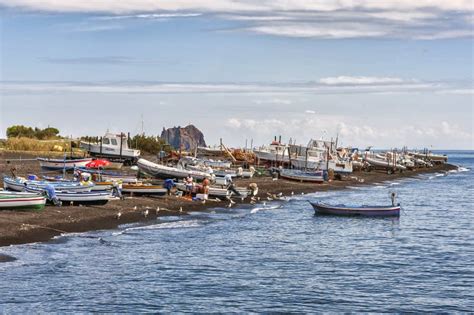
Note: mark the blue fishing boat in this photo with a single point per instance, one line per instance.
(19, 184)
(369, 211)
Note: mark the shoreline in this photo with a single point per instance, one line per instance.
(28, 227)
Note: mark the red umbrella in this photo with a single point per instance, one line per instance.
(97, 163)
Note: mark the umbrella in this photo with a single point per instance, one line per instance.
(97, 164)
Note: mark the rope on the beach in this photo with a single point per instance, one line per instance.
(34, 225)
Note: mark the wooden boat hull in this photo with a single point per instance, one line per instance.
(144, 190)
(367, 211)
(60, 164)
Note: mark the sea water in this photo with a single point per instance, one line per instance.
(276, 256)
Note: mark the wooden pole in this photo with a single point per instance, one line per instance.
(121, 144)
(100, 145)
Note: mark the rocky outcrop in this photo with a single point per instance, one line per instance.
(187, 138)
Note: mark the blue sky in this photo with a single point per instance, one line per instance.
(388, 73)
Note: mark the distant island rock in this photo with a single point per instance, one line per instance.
(187, 138)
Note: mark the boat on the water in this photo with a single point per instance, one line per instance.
(19, 184)
(143, 189)
(114, 146)
(302, 176)
(165, 172)
(21, 201)
(343, 210)
(61, 164)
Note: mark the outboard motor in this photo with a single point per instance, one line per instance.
(51, 194)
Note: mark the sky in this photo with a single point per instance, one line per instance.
(380, 73)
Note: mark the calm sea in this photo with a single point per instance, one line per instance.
(276, 256)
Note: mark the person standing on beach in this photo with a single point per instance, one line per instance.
(230, 186)
(189, 185)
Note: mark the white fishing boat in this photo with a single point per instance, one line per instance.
(321, 155)
(21, 201)
(275, 152)
(215, 191)
(379, 163)
(165, 172)
(113, 146)
(436, 158)
(60, 164)
(302, 176)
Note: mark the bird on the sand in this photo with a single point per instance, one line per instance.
(157, 210)
(145, 213)
(119, 214)
(292, 193)
(135, 208)
(180, 209)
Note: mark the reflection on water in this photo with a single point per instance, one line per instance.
(265, 258)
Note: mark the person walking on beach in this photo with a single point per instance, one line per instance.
(230, 186)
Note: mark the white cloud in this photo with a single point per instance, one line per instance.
(423, 19)
(359, 80)
(332, 85)
(277, 101)
(350, 131)
(308, 111)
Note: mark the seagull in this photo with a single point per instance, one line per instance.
(135, 208)
(292, 193)
(302, 193)
(71, 203)
(157, 210)
(145, 213)
(119, 214)
(280, 194)
(180, 209)
(269, 199)
(230, 204)
(264, 204)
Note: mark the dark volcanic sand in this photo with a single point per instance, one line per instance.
(25, 227)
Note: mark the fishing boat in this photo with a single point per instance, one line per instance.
(275, 152)
(302, 176)
(61, 164)
(21, 201)
(113, 146)
(76, 198)
(215, 191)
(143, 189)
(108, 176)
(435, 158)
(343, 210)
(386, 164)
(165, 172)
(322, 155)
(19, 184)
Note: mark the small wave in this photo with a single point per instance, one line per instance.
(460, 169)
(167, 225)
(257, 209)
